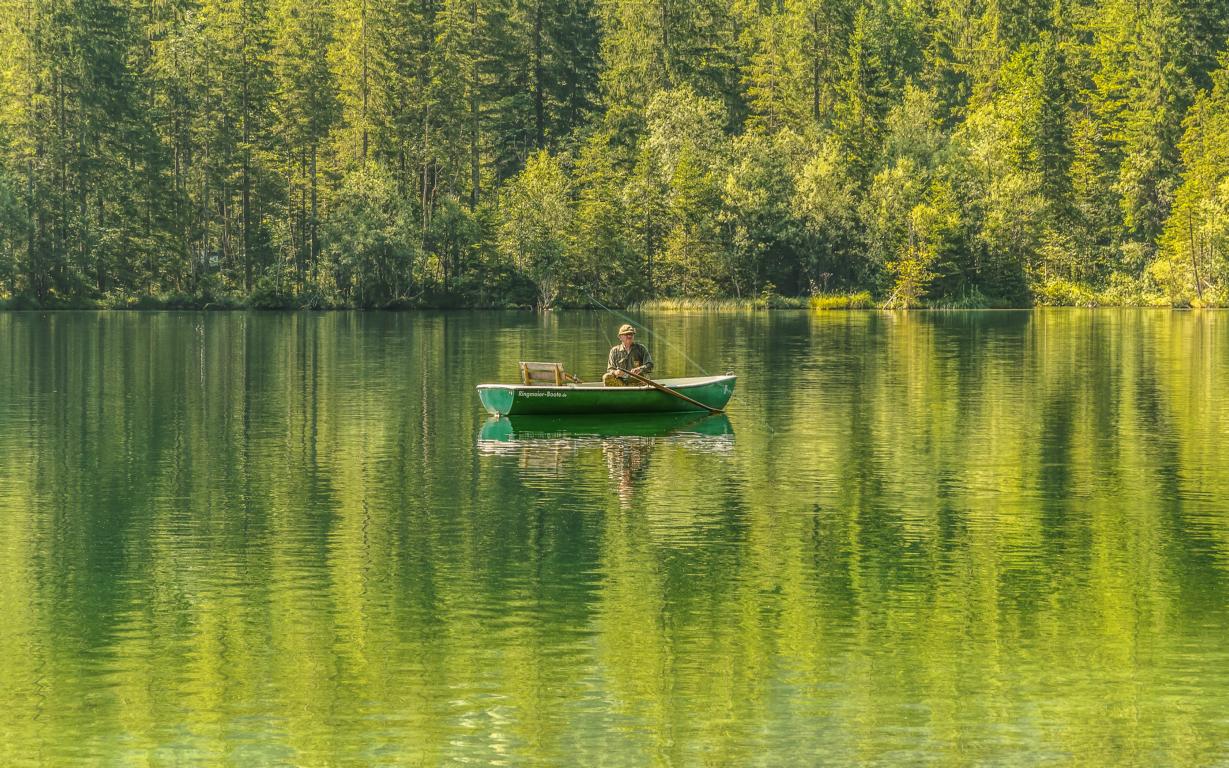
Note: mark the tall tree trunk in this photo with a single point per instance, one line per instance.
(203, 266)
(32, 224)
(83, 213)
(475, 178)
(363, 34)
(247, 162)
(539, 106)
(314, 245)
(226, 254)
(32, 218)
(100, 271)
(1190, 218)
(247, 205)
(57, 249)
(648, 247)
(815, 68)
(425, 85)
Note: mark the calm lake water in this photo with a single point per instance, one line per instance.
(930, 538)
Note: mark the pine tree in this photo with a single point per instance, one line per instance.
(652, 45)
(307, 108)
(605, 232)
(1194, 260)
(775, 84)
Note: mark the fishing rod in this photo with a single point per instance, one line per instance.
(628, 319)
(656, 338)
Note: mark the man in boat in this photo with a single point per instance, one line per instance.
(627, 355)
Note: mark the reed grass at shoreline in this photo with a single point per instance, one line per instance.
(861, 300)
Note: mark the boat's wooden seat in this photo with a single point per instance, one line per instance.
(549, 374)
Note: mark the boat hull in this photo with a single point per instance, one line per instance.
(519, 399)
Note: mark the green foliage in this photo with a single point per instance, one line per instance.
(536, 227)
(932, 232)
(688, 151)
(756, 210)
(697, 304)
(496, 153)
(608, 206)
(970, 298)
(859, 300)
(1064, 293)
(13, 232)
(371, 245)
(21, 302)
(1123, 290)
(824, 202)
(1194, 258)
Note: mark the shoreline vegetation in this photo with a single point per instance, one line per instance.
(861, 300)
(449, 153)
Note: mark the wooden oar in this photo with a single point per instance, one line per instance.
(669, 391)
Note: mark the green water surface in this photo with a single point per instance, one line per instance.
(995, 538)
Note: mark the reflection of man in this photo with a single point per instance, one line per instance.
(627, 459)
(627, 355)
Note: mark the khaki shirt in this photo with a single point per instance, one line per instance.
(627, 359)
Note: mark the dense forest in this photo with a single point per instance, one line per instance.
(514, 152)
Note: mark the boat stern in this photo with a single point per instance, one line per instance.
(496, 399)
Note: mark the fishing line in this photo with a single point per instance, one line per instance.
(656, 338)
(668, 345)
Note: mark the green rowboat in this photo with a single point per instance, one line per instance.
(522, 399)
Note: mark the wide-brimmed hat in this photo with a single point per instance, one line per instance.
(626, 328)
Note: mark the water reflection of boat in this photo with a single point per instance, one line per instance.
(673, 427)
(558, 445)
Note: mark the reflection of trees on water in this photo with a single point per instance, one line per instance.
(965, 532)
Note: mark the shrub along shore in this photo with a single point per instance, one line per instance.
(861, 300)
